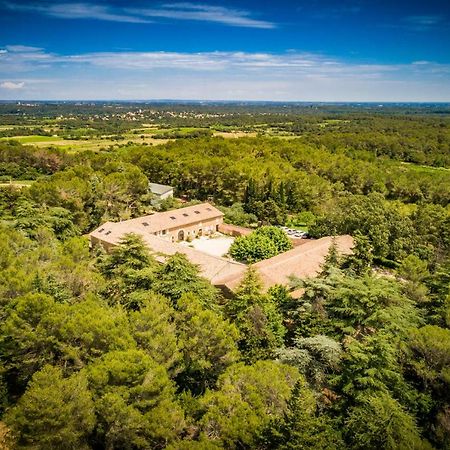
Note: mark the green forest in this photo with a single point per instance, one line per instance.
(117, 351)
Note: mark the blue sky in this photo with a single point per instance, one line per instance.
(351, 50)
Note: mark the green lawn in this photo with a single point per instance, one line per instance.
(32, 139)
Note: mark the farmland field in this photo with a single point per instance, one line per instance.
(42, 140)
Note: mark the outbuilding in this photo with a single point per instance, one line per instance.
(160, 192)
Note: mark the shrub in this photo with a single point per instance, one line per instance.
(263, 243)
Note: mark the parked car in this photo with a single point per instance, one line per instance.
(291, 232)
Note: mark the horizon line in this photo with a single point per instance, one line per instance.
(162, 100)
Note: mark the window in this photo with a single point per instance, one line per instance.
(197, 212)
(164, 231)
(108, 232)
(173, 217)
(145, 224)
(185, 214)
(101, 229)
(209, 209)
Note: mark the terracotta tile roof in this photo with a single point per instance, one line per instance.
(168, 220)
(211, 267)
(303, 262)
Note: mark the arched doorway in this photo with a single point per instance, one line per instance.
(181, 235)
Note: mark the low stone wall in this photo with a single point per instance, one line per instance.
(234, 230)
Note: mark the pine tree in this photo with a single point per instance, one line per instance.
(179, 276)
(54, 412)
(257, 318)
(301, 427)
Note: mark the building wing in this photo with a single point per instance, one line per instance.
(304, 261)
(211, 267)
(170, 220)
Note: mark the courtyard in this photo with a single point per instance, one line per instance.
(216, 245)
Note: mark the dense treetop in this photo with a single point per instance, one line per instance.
(116, 351)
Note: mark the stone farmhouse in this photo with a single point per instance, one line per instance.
(175, 225)
(163, 231)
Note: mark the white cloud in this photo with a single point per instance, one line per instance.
(78, 11)
(289, 63)
(11, 85)
(204, 13)
(22, 49)
(220, 75)
(20, 58)
(423, 22)
(175, 11)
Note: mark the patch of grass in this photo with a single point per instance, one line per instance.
(425, 169)
(234, 134)
(32, 139)
(94, 144)
(298, 227)
(180, 130)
